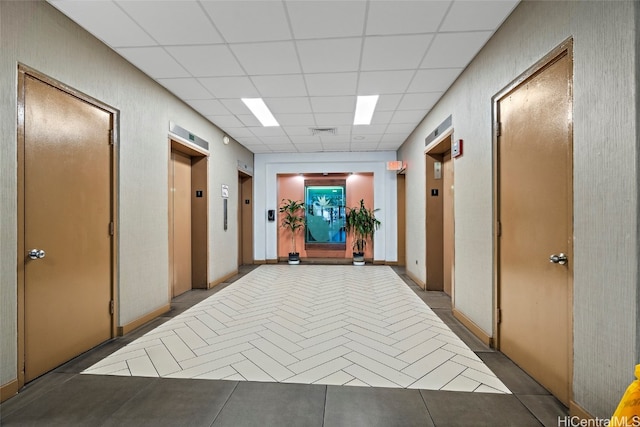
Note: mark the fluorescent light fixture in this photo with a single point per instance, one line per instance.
(261, 111)
(364, 109)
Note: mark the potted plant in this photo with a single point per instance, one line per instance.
(293, 220)
(362, 224)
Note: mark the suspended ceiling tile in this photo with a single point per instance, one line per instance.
(208, 107)
(319, 19)
(403, 128)
(280, 85)
(267, 58)
(252, 140)
(388, 102)
(477, 15)
(261, 131)
(412, 117)
(282, 148)
(235, 106)
(394, 52)
(298, 131)
(206, 60)
(368, 129)
(98, 18)
(381, 117)
(389, 146)
(249, 21)
(419, 101)
(230, 87)
(336, 139)
(305, 139)
(381, 82)
(288, 105)
(258, 148)
(331, 84)
(227, 121)
(363, 146)
(373, 138)
(309, 148)
(170, 19)
(454, 50)
(405, 17)
(433, 80)
(185, 88)
(197, 38)
(394, 138)
(154, 61)
(332, 55)
(333, 119)
(249, 120)
(333, 104)
(239, 132)
(272, 141)
(335, 146)
(288, 119)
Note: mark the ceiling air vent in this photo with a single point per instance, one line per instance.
(323, 131)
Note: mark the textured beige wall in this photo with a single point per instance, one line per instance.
(37, 35)
(605, 173)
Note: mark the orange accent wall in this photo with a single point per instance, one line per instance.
(359, 186)
(289, 187)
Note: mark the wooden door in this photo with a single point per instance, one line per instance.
(402, 220)
(447, 223)
(535, 219)
(245, 222)
(180, 223)
(68, 223)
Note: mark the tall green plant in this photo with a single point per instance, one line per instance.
(293, 219)
(362, 223)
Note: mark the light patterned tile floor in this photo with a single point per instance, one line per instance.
(307, 324)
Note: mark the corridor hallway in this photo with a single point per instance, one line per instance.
(303, 345)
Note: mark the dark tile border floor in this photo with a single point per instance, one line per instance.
(63, 397)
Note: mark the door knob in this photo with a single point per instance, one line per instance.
(36, 254)
(558, 259)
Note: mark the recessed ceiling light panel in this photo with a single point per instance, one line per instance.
(365, 106)
(261, 111)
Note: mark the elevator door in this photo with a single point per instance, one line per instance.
(180, 223)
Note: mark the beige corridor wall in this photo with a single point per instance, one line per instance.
(37, 35)
(605, 180)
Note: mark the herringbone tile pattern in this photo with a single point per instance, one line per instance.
(335, 325)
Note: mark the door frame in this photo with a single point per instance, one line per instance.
(565, 46)
(245, 222)
(436, 150)
(199, 212)
(401, 187)
(23, 72)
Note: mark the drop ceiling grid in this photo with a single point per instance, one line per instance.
(307, 59)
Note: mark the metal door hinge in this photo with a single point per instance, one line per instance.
(112, 228)
(498, 128)
(110, 136)
(498, 315)
(111, 307)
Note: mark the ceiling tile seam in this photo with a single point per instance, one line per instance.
(295, 47)
(415, 71)
(364, 36)
(163, 47)
(117, 4)
(232, 53)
